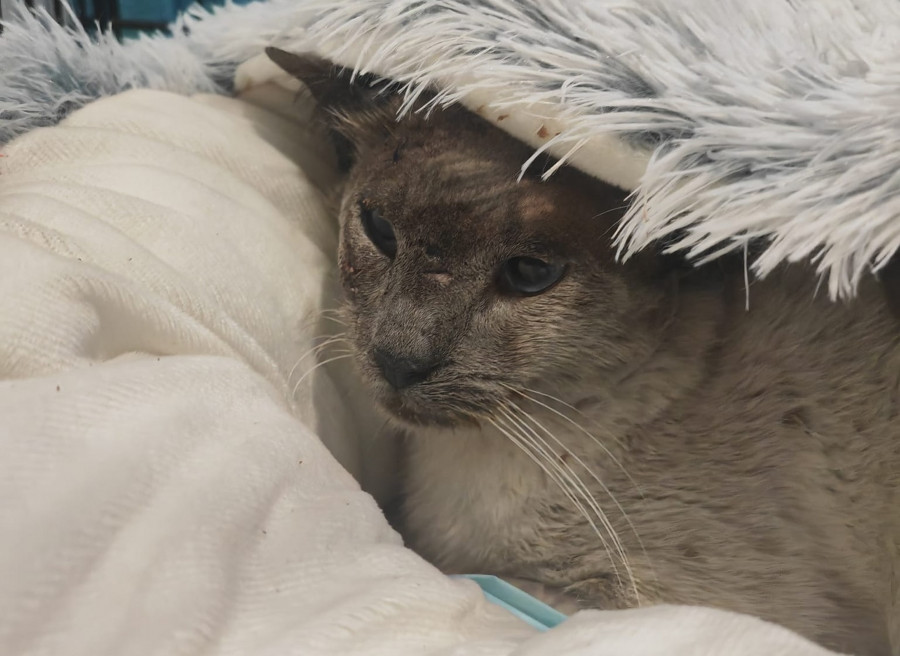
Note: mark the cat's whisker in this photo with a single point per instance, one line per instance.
(590, 471)
(595, 506)
(620, 547)
(334, 314)
(343, 356)
(617, 208)
(526, 393)
(316, 349)
(596, 440)
(327, 338)
(551, 397)
(328, 314)
(545, 462)
(321, 348)
(566, 482)
(340, 322)
(521, 416)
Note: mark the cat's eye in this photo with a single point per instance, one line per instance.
(378, 229)
(528, 276)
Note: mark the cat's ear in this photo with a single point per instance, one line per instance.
(357, 111)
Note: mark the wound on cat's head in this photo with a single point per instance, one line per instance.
(461, 281)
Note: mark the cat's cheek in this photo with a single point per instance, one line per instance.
(349, 272)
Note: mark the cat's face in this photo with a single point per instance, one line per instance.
(463, 284)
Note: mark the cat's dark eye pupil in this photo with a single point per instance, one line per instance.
(529, 275)
(378, 229)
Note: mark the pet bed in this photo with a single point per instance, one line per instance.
(165, 257)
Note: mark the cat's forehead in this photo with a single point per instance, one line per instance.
(482, 200)
(452, 198)
(453, 177)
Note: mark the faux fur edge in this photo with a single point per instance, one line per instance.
(775, 122)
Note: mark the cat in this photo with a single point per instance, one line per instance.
(619, 434)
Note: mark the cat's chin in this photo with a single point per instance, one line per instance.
(414, 416)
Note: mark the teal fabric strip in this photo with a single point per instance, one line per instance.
(519, 603)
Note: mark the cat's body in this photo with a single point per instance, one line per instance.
(619, 434)
(756, 471)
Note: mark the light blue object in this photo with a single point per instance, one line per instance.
(519, 603)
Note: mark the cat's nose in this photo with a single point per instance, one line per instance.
(401, 371)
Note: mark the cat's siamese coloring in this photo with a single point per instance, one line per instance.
(620, 434)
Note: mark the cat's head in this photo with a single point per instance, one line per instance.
(462, 283)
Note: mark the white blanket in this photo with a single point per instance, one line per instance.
(163, 489)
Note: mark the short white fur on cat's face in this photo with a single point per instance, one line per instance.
(628, 434)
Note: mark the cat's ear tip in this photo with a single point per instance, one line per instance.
(355, 112)
(278, 55)
(299, 64)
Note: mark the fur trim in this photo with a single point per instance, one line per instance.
(775, 121)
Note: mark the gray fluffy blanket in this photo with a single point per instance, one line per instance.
(771, 122)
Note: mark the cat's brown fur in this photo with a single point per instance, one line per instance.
(747, 460)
